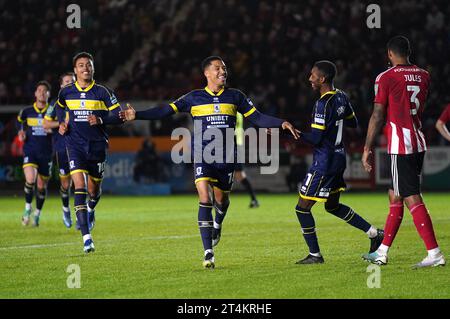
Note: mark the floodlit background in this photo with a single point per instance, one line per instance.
(149, 52)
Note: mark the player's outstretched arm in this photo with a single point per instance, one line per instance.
(314, 137)
(375, 124)
(266, 121)
(155, 113)
(288, 126)
(129, 114)
(113, 117)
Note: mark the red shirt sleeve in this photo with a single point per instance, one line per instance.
(445, 116)
(381, 90)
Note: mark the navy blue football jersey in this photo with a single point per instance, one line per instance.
(331, 113)
(37, 139)
(214, 110)
(95, 99)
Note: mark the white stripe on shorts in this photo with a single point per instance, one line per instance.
(394, 173)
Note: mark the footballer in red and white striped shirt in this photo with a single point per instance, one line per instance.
(400, 94)
(403, 90)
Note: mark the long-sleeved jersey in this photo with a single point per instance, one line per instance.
(331, 113)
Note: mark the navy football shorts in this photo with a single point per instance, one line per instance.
(42, 162)
(219, 175)
(90, 160)
(63, 163)
(318, 187)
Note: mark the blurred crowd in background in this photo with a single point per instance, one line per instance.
(35, 43)
(268, 46)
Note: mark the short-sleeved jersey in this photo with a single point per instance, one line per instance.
(403, 90)
(214, 110)
(329, 115)
(37, 139)
(59, 143)
(95, 99)
(445, 116)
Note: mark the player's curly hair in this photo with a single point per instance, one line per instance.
(82, 55)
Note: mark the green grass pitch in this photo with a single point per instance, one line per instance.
(149, 247)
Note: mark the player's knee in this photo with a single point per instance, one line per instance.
(30, 180)
(305, 204)
(203, 197)
(95, 194)
(413, 200)
(79, 184)
(65, 183)
(394, 199)
(39, 185)
(94, 188)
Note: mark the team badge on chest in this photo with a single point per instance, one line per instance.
(216, 105)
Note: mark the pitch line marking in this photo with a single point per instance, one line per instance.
(101, 241)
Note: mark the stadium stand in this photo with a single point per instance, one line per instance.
(269, 49)
(35, 43)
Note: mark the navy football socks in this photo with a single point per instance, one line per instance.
(221, 211)
(93, 201)
(205, 224)
(81, 209)
(64, 196)
(40, 198)
(28, 193)
(308, 225)
(349, 216)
